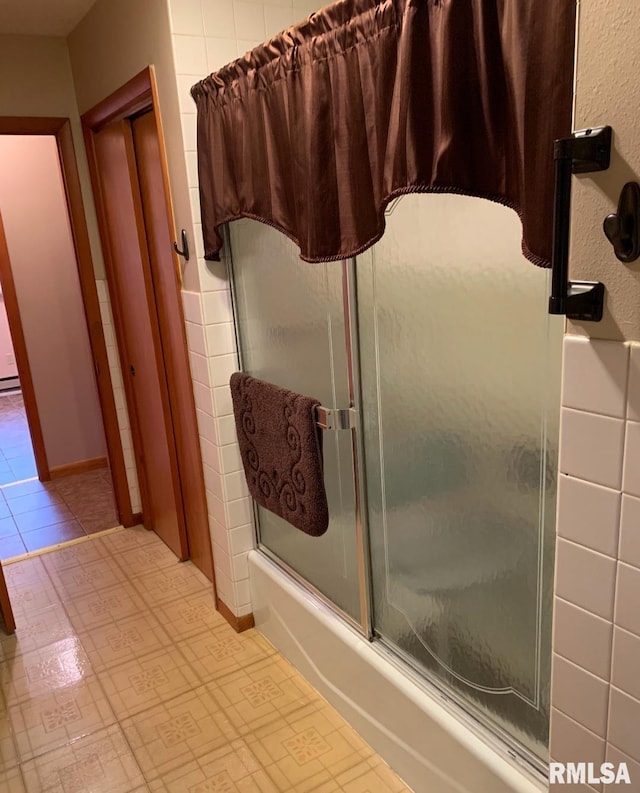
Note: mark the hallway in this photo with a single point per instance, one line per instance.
(16, 453)
(122, 678)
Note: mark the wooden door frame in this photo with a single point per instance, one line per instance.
(60, 129)
(139, 95)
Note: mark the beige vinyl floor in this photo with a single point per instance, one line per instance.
(122, 678)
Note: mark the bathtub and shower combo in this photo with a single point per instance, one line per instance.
(370, 135)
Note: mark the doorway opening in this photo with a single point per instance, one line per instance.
(57, 479)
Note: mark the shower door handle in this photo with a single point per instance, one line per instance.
(335, 418)
(586, 151)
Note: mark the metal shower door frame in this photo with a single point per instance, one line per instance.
(364, 625)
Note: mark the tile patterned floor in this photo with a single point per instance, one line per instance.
(122, 678)
(16, 453)
(35, 515)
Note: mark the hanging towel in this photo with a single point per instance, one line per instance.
(281, 448)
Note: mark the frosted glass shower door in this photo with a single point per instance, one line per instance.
(291, 327)
(460, 371)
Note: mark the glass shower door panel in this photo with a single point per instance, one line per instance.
(290, 318)
(461, 376)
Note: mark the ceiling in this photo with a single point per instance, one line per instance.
(42, 17)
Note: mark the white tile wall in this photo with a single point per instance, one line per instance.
(118, 393)
(207, 34)
(595, 687)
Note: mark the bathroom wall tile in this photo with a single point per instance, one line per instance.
(630, 530)
(219, 533)
(222, 560)
(213, 482)
(210, 454)
(580, 695)
(214, 276)
(624, 721)
(628, 598)
(585, 578)
(206, 427)
(222, 400)
(192, 307)
(197, 227)
(186, 17)
(240, 566)
(194, 198)
(242, 539)
(304, 8)
(199, 368)
(217, 511)
(582, 638)
(625, 673)
(185, 81)
(220, 52)
(276, 19)
(226, 590)
(235, 486)
(249, 24)
(594, 375)
(242, 609)
(190, 55)
(227, 430)
(631, 480)
(231, 459)
(571, 742)
(221, 367)
(196, 339)
(617, 757)
(591, 447)
(243, 592)
(246, 45)
(202, 396)
(239, 513)
(221, 339)
(633, 389)
(189, 131)
(218, 18)
(588, 514)
(217, 307)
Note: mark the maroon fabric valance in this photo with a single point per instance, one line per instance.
(315, 131)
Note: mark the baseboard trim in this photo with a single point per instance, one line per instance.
(239, 624)
(79, 467)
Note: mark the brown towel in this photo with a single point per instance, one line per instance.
(281, 447)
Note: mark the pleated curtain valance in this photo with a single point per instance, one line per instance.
(315, 131)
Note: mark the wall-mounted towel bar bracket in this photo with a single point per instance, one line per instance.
(586, 151)
(335, 418)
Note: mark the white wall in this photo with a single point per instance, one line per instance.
(44, 268)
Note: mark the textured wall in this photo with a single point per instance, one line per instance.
(608, 92)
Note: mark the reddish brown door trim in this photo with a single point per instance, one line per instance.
(136, 96)
(61, 129)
